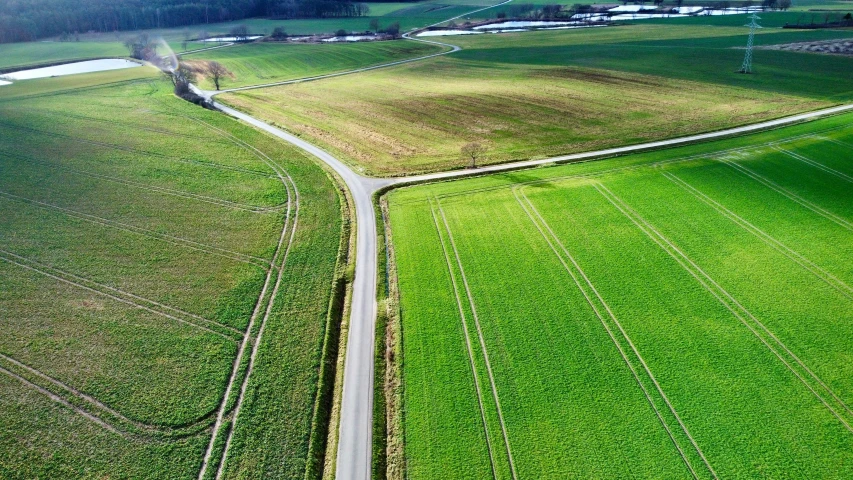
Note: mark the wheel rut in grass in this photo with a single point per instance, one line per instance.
(598, 305)
(811, 381)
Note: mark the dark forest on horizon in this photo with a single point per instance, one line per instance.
(27, 20)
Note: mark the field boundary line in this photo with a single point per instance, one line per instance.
(813, 163)
(4, 256)
(716, 290)
(768, 239)
(610, 333)
(178, 241)
(482, 340)
(202, 163)
(147, 427)
(467, 342)
(56, 398)
(789, 194)
(153, 188)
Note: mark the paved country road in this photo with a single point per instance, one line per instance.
(356, 419)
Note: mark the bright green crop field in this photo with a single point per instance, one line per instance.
(259, 63)
(684, 312)
(540, 94)
(162, 267)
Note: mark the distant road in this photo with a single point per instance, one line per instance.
(356, 419)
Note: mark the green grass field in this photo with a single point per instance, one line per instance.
(260, 63)
(138, 234)
(39, 53)
(649, 316)
(540, 94)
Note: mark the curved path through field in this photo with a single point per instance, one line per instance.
(356, 420)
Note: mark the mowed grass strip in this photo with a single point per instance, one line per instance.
(735, 299)
(260, 63)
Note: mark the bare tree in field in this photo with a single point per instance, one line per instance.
(216, 72)
(472, 151)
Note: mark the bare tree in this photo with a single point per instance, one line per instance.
(472, 151)
(216, 72)
(181, 78)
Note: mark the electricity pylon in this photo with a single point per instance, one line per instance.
(747, 59)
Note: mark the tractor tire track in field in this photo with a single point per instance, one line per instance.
(113, 121)
(789, 194)
(264, 303)
(815, 164)
(838, 142)
(62, 401)
(93, 287)
(86, 283)
(124, 227)
(482, 341)
(152, 188)
(768, 239)
(467, 343)
(190, 428)
(138, 151)
(575, 271)
(736, 308)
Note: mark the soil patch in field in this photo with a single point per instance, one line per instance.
(835, 47)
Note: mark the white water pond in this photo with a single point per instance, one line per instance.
(71, 69)
(231, 39)
(351, 38)
(442, 33)
(520, 24)
(644, 16)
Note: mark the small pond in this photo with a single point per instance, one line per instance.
(232, 39)
(441, 33)
(520, 24)
(351, 38)
(88, 66)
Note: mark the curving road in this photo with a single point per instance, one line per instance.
(356, 421)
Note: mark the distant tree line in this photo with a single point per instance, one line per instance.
(26, 20)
